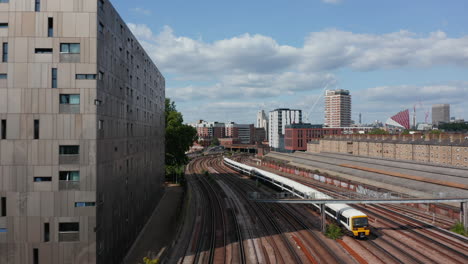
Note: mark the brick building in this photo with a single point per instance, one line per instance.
(445, 149)
(298, 135)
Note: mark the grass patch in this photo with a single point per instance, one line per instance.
(333, 231)
(459, 229)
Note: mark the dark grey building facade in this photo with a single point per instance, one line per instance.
(81, 133)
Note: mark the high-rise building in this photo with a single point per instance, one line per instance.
(278, 119)
(262, 122)
(440, 113)
(337, 108)
(82, 133)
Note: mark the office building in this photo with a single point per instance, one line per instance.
(440, 113)
(82, 133)
(278, 119)
(337, 108)
(262, 122)
(244, 133)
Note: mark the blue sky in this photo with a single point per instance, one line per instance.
(225, 60)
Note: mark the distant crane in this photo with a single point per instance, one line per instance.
(306, 118)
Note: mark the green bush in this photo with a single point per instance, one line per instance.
(459, 229)
(147, 260)
(333, 231)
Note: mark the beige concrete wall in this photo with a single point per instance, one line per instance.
(388, 150)
(460, 156)
(421, 153)
(376, 149)
(313, 148)
(431, 150)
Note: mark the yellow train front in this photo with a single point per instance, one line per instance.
(352, 219)
(360, 226)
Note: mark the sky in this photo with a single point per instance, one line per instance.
(225, 60)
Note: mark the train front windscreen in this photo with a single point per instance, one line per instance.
(360, 222)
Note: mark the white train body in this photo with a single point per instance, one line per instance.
(352, 219)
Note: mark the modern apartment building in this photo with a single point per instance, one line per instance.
(278, 119)
(337, 108)
(82, 133)
(440, 113)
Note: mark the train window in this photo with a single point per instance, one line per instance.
(360, 222)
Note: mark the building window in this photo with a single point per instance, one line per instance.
(50, 27)
(3, 230)
(3, 25)
(69, 150)
(71, 48)
(43, 51)
(3, 76)
(46, 232)
(85, 204)
(36, 129)
(101, 75)
(85, 76)
(69, 180)
(72, 99)
(3, 207)
(69, 232)
(54, 77)
(69, 176)
(101, 4)
(5, 52)
(101, 27)
(42, 179)
(4, 1)
(37, 6)
(4, 128)
(101, 124)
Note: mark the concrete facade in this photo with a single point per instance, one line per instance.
(337, 108)
(444, 149)
(82, 157)
(440, 113)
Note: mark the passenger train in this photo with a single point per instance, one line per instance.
(353, 220)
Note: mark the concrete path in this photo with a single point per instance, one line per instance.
(160, 229)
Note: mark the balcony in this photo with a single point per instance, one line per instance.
(69, 159)
(69, 185)
(69, 236)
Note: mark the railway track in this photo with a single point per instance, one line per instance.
(427, 243)
(228, 227)
(338, 167)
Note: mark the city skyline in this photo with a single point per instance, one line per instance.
(220, 67)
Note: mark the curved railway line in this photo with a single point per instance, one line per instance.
(227, 227)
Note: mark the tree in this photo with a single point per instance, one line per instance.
(378, 131)
(405, 132)
(215, 142)
(179, 139)
(435, 132)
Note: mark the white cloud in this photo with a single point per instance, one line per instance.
(141, 11)
(322, 51)
(253, 68)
